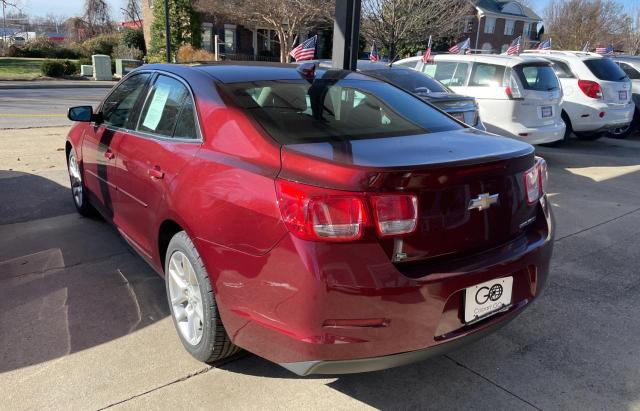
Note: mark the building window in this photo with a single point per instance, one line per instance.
(526, 30)
(468, 24)
(486, 48)
(229, 38)
(508, 27)
(207, 35)
(489, 25)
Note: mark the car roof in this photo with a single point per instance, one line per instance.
(571, 54)
(242, 72)
(628, 59)
(500, 59)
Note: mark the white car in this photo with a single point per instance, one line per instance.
(597, 93)
(518, 96)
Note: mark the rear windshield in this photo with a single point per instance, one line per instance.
(537, 77)
(409, 80)
(334, 110)
(605, 69)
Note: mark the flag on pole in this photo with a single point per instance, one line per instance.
(545, 45)
(585, 48)
(605, 51)
(374, 55)
(427, 53)
(514, 47)
(306, 50)
(461, 47)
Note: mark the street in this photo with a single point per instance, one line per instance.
(85, 323)
(25, 108)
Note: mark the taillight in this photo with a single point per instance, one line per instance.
(590, 88)
(513, 89)
(395, 214)
(313, 213)
(535, 180)
(320, 214)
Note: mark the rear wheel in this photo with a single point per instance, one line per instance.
(624, 132)
(193, 306)
(78, 191)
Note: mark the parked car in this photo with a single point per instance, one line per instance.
(519, 97)
(322, 219)
(462, 108)
(631, 67)
(597, 93)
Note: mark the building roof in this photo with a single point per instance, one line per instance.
(507, 8)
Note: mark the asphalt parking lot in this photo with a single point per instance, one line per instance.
(84, 322)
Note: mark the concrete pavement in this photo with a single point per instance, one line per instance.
(85, 324)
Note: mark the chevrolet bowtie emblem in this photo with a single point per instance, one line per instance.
(483, 201)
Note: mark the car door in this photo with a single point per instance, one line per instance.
(633, 74)
(151, 154)
(100, 142)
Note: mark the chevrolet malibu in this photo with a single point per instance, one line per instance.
(323, 219)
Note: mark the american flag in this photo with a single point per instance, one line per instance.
(545, 45)
(460, 47)
(585, 48)
(427, 53)
(306, 50)
(514, 47)
(374, 55)
(605, 51)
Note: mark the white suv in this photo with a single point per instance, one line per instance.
(597, 93)
(518, 96)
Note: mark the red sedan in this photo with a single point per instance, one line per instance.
(323, 219)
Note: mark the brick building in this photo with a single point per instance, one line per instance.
(500, 22)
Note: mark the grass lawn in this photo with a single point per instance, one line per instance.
(19, 68)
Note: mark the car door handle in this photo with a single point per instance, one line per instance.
(109, 155)
(156, 173)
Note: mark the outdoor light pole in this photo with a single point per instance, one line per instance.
(346, 30)
(167, 31)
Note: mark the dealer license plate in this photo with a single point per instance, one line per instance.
(458, 116)
(622, 94)
(547, 111)
(488, 298)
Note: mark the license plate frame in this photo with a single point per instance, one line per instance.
(622, 95)
(546, 111)
(488, 298)
(458, 116)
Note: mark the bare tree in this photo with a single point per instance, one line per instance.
(286, 17)
(97, 16)
(394, 24)
(132, 12)
(571, 23)
(632, 38)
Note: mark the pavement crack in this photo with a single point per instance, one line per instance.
(598, 225)
(493, 383)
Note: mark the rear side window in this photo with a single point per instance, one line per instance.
(449, 73)
(562, 69)
(327, 110)
(631, 72)
(186, 123)
(537, 77)
(410, 80)
(163, 106)
(407, 64)
(486, 75)
(118, 108)
(605, 69)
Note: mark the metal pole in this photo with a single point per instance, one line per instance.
(167, 31)
(216, 42)
(4, 27)
(346, 29)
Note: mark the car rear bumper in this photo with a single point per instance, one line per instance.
(533, 135)
(589, 119)
(283, 305)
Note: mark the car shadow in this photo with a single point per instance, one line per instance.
(67, 283)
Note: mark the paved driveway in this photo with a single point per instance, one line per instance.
(84, 323)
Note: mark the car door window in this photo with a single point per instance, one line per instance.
(186, 123)
(445, 71)
(562, 69)
(163, 105)
(486, 75)
(118, 107)
(459, 77)
(631, 72)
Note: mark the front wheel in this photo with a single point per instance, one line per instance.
(193, 306)
(78, 191)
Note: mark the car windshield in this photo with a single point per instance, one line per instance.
(538, 77)
(409, 80)
(336, 110)
(605, 69)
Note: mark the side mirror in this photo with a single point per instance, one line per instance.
(81, 113)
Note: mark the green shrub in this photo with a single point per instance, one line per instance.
(102, 44)
(133, 38)
(42, 47)
(52, 68)
(70, 68)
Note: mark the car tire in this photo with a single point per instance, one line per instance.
(628, 131)
(78, 190)
(589, 136)
(192, 302)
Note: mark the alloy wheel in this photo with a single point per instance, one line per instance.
(76, 179)
(185, 298)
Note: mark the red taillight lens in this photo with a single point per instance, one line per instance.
(395, 214)
(313, 213)
(535, 180)
(590, 88)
